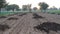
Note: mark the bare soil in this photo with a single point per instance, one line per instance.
(25, 23)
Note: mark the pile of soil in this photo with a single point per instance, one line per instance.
(3, 17)
(22, 14)
(48, 26)
(36, 16)
(12, 18)
(4, 27)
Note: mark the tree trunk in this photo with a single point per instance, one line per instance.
(0, 10)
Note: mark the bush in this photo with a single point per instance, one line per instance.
(52, 13)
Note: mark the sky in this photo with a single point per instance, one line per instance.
(34, 3)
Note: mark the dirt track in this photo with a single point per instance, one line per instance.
(25, 24)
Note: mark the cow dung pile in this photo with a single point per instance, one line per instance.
(12, 18)
(4, 27)
(37, 16)
(48, 26)
(2, 16)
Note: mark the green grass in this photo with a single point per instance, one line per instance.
(54, 11)
(7, 13)
(4, 13)
(11, 12)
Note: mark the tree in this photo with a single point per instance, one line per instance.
(2, 4)
(43, 5)
(29, 7)
(24, 7)
(12, 7)
(59, 8)
(35, 8)
(18, 9)
(54, 8)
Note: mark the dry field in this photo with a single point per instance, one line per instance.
(25, 23)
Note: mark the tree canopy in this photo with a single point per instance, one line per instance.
(35, 8)
(43, 5)
(2, 4)
(12, 7)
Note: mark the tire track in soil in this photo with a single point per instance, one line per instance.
(9, 22)
(20, 22)
(28, 27)
(13, 24)
(5, 21)
(25, 26)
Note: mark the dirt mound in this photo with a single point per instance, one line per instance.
(47, 26)
(22, 14)
(3, 17)
(58, 13)
(4, 27)
(12, 18)
(35, 16)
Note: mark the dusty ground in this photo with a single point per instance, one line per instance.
(25, 24)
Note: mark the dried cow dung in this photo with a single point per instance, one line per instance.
(47, 26)
(4, 27)
(12, 18)
(37, 16)
(2, 16)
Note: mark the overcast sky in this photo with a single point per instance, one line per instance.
(34, 3)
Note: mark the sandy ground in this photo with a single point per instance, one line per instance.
(25, 24)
